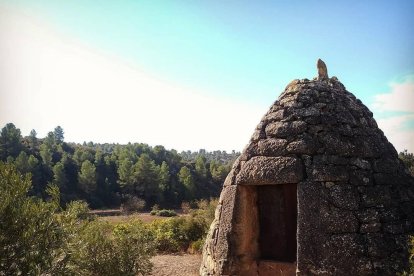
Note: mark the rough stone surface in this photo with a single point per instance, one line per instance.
(322, 70)
(262, 170)
(355, 198)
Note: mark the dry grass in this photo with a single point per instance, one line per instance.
(145, 217)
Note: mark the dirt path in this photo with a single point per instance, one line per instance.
(176, 265)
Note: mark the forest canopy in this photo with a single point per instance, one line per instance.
(106, 175)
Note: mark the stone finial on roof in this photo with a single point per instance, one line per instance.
(322, 70)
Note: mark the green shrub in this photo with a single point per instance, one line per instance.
(167, 213)
(183, 233)
(196, 247)
(125, 249)
(169, 234)
(163, 213)
(34, 235)
(39, 238)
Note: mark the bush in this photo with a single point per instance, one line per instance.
(196, 247)
(410, 271)
(39, 238)
(166, 213)
(80, 209)
(34, 235)
(169, 234)
(184, 233)
(163, 213)
(133, 204)
(186, 207)
(177, 234)
(125, 249)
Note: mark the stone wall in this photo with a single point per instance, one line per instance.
(355, 197)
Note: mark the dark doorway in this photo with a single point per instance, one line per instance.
(277, 218)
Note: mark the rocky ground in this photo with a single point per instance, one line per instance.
(176, 265)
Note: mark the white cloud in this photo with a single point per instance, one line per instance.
(399, 100)
(401, 97)
(48, 79)
(402, 138)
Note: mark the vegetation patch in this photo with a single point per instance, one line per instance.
(164, 213)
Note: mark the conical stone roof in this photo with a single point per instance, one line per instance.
(355, 198)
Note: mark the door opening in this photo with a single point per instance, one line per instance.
(277, 206)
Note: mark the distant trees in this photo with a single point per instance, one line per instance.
(58, 134)
(187, 180)
(59, 177)
(10, 142)
(107, 175)
(87, 177)
(408, 159)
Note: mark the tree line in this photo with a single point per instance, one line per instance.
(106, 175)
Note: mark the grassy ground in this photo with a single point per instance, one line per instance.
(144, 216)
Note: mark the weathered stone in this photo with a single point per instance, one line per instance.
(324, 159)
(344, 197)
(368, 216)
(386, 165)
(397, 228)
(328, 173)
(274, 116)
(319, 173)
(338, 145)
(322, 70)
(380, 245)
(337, 221)
(391, 215)
(270, 171)
(285, 129)
(360, 163)
(304, 145)
(370, 227)
(360, 178)
(272, 147)
(378, 196)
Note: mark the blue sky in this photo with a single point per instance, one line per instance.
(220, 55)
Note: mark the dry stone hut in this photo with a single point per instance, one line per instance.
(317, 191)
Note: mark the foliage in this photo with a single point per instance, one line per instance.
(10, 141)
(186, 232)
(408, 160)
(33, 236)
(40, 238)
(58, 134)
(411, 272)
(185, 207)
(124, 249)
(169, 234)
(187, 180)
(163, 213)
(104, 174)
(87, 177)
(197, 246)
(133, 204)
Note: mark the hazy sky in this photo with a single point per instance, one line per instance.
(193, 74)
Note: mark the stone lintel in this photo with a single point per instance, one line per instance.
(262, 170)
